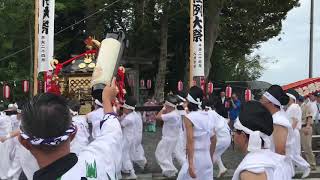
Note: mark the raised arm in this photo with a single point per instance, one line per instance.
(213, 145)
(107, 146)
(159, 115)
(10, 135)
(190, 146)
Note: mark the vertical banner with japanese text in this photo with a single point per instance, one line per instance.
(46, 34)
(197, 37)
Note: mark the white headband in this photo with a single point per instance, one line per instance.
(98, 102)
(169, 104)
(198, 102)
(73, 112)
(272, 99)
(182, 99)
(292, 97)
(10, 106)
(208, 107)
(255, 142)
(128, 106)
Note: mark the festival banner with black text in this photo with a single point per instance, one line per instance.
(197, 37)
(46, 34)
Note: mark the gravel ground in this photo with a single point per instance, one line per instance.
(150, 141)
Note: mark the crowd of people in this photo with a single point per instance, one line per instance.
(47, 138)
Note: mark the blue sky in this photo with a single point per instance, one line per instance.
(292, 52)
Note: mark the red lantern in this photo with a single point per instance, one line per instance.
(228, 92)
(180, 86)
(25, 86)
(149, 84)
(247, 95)
(210, 88)
(203, 85)
(6, 91)
(142, 84)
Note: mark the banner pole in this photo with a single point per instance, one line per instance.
(36, 44)
(191, 46)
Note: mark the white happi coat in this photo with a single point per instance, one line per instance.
(170, 135)
(137, 153)
(22, 159)
(180, 150)
(279, 118)
(94, 118)
(294, 111)
(102, 154)
(203, 129)
(6, 148)
(128, 124)
(264, 161)
(81, 139)
(222, 132)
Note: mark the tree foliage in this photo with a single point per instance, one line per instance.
(233, 29)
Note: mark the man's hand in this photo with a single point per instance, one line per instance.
(3, 139)
(192, 171)
(108, 95)
(306, 130)
(110, 91)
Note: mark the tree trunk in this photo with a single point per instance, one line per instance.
(161, 77)
(211, 31)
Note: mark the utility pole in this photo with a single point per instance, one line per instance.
(311, 40)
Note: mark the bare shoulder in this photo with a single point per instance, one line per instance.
(246, 175)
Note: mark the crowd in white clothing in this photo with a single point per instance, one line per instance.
(193, 133)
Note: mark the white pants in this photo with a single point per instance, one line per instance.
(164, 153)
(127, 165)
(296, 154)
(202, 164)
(137, 154)
(180, 150)
(6, 153)
(222, 145)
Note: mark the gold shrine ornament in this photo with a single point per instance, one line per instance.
(82, 65)
(87, 60)
(92, 65)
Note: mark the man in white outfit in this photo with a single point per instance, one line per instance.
(252, 134)
(180, 151)
(130, 127)
(294, 115)
(282, 141)
(94, 118)
(47, 130)
(81, 140)
(21, 158)
(137, 154)
(170, 136)
(222, 131)
(5, 146)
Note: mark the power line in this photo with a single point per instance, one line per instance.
(68, 27)
(6, 57)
